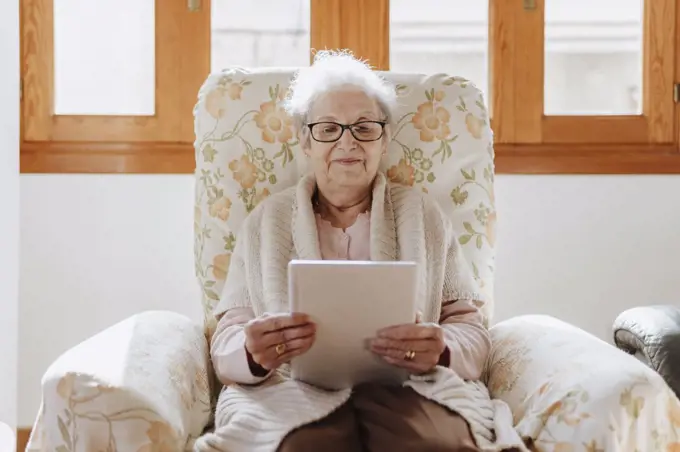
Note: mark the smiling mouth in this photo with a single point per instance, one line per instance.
(348, 161)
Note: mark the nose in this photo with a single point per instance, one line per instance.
(347, 140)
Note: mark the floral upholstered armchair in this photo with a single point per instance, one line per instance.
(146, 383)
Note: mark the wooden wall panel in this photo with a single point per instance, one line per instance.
(677, 73)
(516, 53)
(361, 26)
(659, 54)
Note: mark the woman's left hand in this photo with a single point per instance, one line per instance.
(416, 346)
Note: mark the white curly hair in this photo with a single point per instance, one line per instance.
(337, 70)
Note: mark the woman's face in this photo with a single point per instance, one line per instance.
(347, 162)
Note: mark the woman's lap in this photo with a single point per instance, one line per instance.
(336, 433)
(379, 418)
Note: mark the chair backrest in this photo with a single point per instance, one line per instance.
(246, 149)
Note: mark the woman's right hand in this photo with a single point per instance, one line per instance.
(273, 339)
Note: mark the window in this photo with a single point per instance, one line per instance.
(591, 86)
(450, 36)
(112, 71)
(593, 58)
(109, 86)
(241, 36)
(574, 86)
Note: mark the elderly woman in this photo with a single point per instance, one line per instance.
(344, 208)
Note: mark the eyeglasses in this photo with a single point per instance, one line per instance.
(328, 132)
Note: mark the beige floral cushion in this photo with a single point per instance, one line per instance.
(570, 391)
(140, 386)
(246, 149)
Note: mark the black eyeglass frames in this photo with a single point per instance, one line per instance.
(328, 131)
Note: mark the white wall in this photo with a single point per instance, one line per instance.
(96, 249)
(9, 218)
(584, 248)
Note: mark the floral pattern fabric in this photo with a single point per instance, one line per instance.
(571, 392)
(140, 386)
(151, 392)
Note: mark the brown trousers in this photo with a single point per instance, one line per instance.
(384, 418)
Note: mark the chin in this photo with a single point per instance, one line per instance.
(350, 177)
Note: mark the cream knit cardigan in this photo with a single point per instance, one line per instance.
(405, 225)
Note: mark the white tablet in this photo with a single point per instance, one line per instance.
(350, 301)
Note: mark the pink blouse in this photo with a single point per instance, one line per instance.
(351, 244)
(467, 345)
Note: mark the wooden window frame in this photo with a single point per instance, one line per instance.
(158, 143)
(526, 140)
(521, 117)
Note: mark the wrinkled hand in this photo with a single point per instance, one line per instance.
(273, 339)
(394, 343)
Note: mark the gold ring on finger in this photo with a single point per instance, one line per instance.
(280, 349)
(409, 355)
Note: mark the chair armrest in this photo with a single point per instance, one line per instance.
(565, 386)
(139, 385)
(652, 334)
